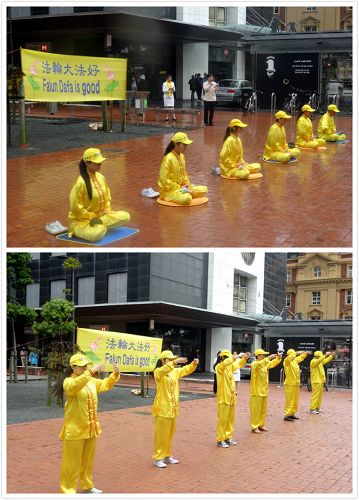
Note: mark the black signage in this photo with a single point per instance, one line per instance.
(285, 74)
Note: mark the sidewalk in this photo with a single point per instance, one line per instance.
(311, 455)
(305, 204)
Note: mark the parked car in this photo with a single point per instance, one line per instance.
(234, 91)
(246, 370)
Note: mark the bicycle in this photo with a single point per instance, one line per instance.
(251, 104)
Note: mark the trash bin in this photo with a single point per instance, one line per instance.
(51, 108)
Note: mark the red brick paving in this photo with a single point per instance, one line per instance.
(311, 455)
(306, 204)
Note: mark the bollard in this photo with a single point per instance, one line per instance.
(11, 367)
(122, 105)
(273, 103)
(22, 137)
(104, 116)
(26, 371)
(142, 384)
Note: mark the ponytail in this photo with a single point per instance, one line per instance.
(84, 174)
(229, 130)
(58, 388)
(170, 148)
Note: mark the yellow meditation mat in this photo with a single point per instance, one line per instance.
(194, 202)
(319, 148)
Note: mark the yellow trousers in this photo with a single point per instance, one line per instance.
(98, 231)
(311, 144)
(185, 198)
(285, 157)
(317, 394)
(164, 431)
(225, 422)
(333, 137)
(243, 173)
(77, 461)
(258, 407)
(291, 399)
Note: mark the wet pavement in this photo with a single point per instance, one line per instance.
(310, 455)
(304, 204)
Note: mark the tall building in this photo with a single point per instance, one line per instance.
(309, 18)
(275, 267)
(319, 286)
(206, 301)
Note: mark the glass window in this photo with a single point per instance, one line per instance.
(288, 299)
(35, 256)
(39, 11)
(316, 298)
(240, 293)
(289, 275)
(216, 16)
(33, 295)
(117, 288)
(310, 28)
(311, 8)
(314, 318)
(349, 296)
(86, 290)
(275, 10)
(349, 271)
(221, 15)
(317, 272)
(57, 289)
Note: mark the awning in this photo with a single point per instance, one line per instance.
(160, 312)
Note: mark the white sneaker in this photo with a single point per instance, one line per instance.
(316, 412)
(222, 444)
(231, 441)
(159, 463)
(171, 460)
(153, 192)
(149, 193)
(92, 490)
(55, 227)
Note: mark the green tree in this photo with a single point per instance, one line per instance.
(18, 276)
(56, 319)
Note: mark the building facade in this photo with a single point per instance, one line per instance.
(319, 286)
(206, 301)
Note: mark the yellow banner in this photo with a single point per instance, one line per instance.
(62, 78)
(131, 353)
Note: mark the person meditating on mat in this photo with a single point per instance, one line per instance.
(231, 156)
(276, 147)
(326, 126)
(173, 180)
(90, 215)
(304, 136)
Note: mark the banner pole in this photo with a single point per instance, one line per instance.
(104, 116)
(22, 137)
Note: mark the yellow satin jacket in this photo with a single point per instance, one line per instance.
(326, 125)
(173, 173)
(166, 403)
(304, 130)
(231, 153)
(291, 368)
(276, 140)
(226, 386)
(317, 373)
(81, 207)
(259, 383)
(81, 391)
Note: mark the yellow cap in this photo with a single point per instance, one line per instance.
(181, 137)
(94, 155)
(306, 107)
(237, 123)
(260, 351)
(332, 107)
(167, 355)
(281, 114)
(291, 351)
(79, 359)
(225, 353)
(318, 354)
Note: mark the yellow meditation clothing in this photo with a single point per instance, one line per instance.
(226, 396)
(166, 403)
(231, 155)
(327, 129)
(276, 147)
(304, 137)
(166, 406)
(258, 389)
(317, 380)
(81, 405)
(80, 430)
(292, 382)
(83, 209)
(173, 178)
